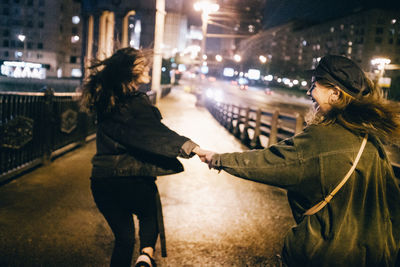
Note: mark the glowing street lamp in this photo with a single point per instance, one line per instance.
(206, 8)
(237, 58)
(262, 59)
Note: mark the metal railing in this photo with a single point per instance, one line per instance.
(38, 126)
(35, 127)
(256, 128)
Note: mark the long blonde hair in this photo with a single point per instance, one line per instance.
(372, 113)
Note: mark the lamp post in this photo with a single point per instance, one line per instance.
(158, 38)
(206, 8)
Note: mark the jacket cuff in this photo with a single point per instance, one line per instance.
(216, 162)
(187, 148)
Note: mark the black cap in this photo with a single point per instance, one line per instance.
(344, 73)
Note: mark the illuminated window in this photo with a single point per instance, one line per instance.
(76, 73)
(75, 19)
(74, 39)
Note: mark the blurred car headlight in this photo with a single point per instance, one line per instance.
(217, 95)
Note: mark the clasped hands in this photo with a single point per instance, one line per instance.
(204, 155)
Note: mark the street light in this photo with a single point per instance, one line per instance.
(22, 38)
(237, 58)
(262, 59)
(206, 8)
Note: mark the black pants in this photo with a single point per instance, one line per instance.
(118, 198)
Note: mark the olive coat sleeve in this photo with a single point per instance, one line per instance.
(278, 165)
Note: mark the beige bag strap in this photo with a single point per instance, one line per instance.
(327, 199)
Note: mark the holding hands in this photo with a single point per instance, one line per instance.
(204, 155)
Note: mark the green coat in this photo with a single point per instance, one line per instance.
(361, 224)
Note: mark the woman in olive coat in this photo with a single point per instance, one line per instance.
(133, 148)
(359, 225)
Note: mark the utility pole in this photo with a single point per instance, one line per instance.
(158, 39)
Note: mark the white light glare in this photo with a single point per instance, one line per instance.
(206, 6)
(21, 37)
(380, 61)
(75, 19)
(269, 77)
(237, 58)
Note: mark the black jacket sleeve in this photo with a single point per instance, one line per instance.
(138, 126)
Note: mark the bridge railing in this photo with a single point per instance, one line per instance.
(35, 127)
(38, 126)
(258, 128)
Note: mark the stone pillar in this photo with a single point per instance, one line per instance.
(125, 28)
(106, 35)
(89, 45)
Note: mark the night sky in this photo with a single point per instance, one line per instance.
(280, 11)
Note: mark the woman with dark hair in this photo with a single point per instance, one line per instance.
(133, 147)
(340, 184)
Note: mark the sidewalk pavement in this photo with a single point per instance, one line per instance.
(48, 217)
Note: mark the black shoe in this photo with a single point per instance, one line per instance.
(144, 260)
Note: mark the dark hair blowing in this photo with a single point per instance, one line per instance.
(112, 79)
(372, 113)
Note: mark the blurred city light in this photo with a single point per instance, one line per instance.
(380, 62)
(21, 37)
(254, 74)
(76, 19)
(218, 58)
(206, 6)
(262, 58)
(269, 78)
(229, 72)
(237, 58)
(74, 39)
(204, 69)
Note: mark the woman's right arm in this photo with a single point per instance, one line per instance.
(278, 165)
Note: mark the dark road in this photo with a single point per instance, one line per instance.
(48, 217)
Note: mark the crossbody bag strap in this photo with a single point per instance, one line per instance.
(328, 198)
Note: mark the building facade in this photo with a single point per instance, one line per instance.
(297, 46)
(44, 32)
(110, 25)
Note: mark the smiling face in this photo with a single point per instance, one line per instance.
(322, 96)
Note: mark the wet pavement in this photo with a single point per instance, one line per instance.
(48, 216)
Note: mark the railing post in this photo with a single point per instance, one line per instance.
(48, 131)
(255, 142)
(273, 136)
(236, 130)
(230, 122)
(299, 123)
(244, 136)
